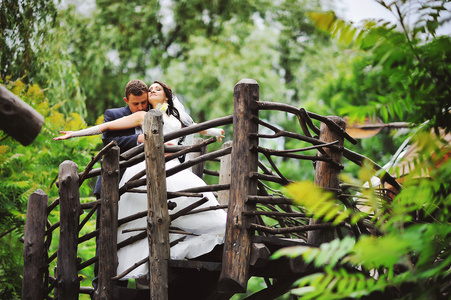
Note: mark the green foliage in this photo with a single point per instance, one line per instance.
(260, 50)
(10, 261)
(26, 169)
(414, 67)
(337, 285)
(121, 40)
(23, 23)
(408, 255)
(409, 251)
(327, 254)
(34, 48)
(335, 282)
(206, 79)
(317, 202)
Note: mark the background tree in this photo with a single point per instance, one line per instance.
(22, 25)
(140, 39)
(34, 47)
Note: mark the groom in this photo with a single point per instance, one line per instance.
(136, 96)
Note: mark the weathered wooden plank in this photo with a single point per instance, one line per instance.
(158, 220)
(327, 176)
(259, 255)
(66, 271)
(34, 247)
(193, 161)
(18, 119)
(195, 264)
(225, 175)
(108, 225)
(237, 246)
(184, 131)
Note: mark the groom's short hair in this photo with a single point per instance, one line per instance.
(135, 87)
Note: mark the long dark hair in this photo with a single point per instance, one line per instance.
(171, 108)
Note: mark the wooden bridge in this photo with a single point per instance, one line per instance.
(260, 218)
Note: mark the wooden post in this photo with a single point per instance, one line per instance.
(237, 245)
(108, 225)
(157, 216)
(199, 168)
(225, 175)
(68, 285)
(326, 176)
(18, 119)
(34, 247)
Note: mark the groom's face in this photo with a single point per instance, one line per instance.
(137, 103)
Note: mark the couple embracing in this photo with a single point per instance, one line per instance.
(204, 230)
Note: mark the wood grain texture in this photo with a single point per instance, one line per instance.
(237, 246)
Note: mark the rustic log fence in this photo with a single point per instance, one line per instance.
(260, 218)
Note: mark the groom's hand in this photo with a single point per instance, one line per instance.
(140, 138)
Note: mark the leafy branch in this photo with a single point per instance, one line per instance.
(415, 66)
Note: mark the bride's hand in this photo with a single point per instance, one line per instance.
(221, 136)
(168, 144)
(66, 135)
(217, 132)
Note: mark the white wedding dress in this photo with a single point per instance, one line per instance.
(208, 228)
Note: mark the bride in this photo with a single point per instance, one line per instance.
(205, 230)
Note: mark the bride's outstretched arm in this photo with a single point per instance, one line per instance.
(131, 121)
(217, 132)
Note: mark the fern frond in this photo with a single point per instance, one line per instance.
(321, 204)
(328, 254)
(344, 32)
(338, 284)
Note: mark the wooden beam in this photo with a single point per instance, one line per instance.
(108, 225)
(259, 255)
(66, 271)
(237, 245)
(326, 175)
(34, 246)
(225, 175)
(18, 119)
(158, 220)
(195, 264)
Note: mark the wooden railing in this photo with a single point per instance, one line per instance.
(260, 218)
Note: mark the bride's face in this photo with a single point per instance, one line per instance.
(156, 94)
